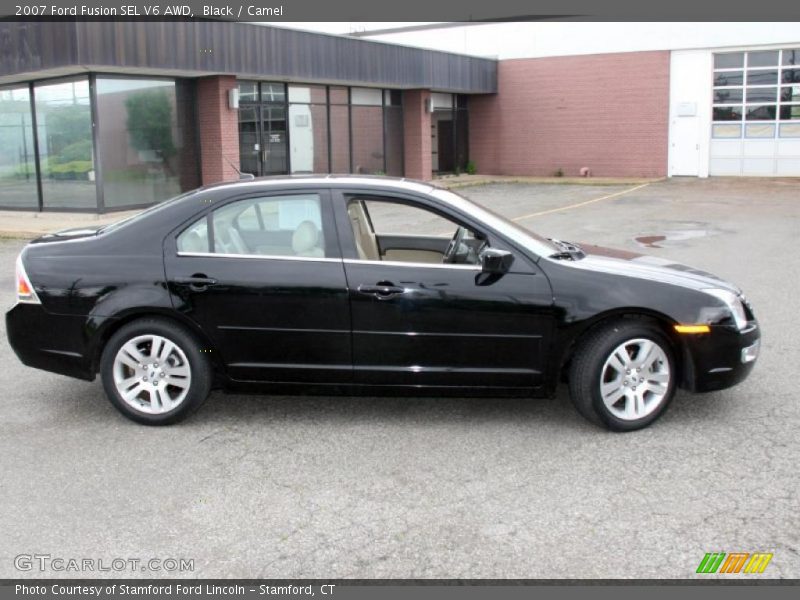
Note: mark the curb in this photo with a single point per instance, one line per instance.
(593, 181)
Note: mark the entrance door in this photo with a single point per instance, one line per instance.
(685, 146)
(445, 147)
(262, 139)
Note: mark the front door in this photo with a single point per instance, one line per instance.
(445, 149)
(684, 151)
(420, 322)
(263, 278)
(262, 139)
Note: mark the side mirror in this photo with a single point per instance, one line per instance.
(496, 261)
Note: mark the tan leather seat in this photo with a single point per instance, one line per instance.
(306, 240)
(366, 242)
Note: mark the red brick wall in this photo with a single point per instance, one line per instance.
(340, 139)
(218, 129)
(608, 112)
(367, 139)
(417, 134)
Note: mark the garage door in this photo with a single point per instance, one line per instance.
(756, 113)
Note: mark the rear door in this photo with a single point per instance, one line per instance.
(263, 277)
(419, 322)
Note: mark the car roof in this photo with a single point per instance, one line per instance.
(376, 181)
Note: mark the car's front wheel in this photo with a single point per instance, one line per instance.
(623, 375)
(153, 372)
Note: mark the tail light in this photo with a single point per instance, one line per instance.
(25, 291)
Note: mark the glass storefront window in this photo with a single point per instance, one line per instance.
(66, 153)
(17, 158)
(365, 96)
(248, 91)
(392, 97)
(308, 94)
(273, 92)
(141, 141)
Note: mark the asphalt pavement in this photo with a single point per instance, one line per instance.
(280, 486)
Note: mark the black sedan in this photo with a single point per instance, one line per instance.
(355, 285)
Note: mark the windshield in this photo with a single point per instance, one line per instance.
(148, 211)
(524, 237)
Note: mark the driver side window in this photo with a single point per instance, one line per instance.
(390, 230)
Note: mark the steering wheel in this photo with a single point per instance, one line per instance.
(452, 248)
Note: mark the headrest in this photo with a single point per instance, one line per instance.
(305, 237)
(194, 243)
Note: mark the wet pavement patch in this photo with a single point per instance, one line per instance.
(677, 235)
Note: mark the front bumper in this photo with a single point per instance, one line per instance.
(55, 343)
(722, 358)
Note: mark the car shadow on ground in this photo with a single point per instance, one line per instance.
(279, 410)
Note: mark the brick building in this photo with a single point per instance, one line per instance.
(101, 116)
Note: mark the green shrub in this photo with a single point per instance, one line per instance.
(75, 169)
(79, 151)
(471, 168)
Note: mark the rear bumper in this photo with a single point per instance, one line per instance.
(722, 358)
(50, 342)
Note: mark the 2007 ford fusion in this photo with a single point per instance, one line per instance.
(343, 284)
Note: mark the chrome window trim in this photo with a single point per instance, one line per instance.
(354, 261)
(261, 256)
(395, 263)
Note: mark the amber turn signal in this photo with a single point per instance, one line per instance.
(692, 328)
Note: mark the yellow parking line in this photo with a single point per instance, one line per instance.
(579, 204)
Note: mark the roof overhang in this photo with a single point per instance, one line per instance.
(41, 49)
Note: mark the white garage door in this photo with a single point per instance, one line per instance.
(756, 113)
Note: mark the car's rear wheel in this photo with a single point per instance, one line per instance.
(153, 372)
(623, 375)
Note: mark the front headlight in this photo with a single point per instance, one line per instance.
(734, 305)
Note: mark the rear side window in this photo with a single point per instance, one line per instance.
(272, 226)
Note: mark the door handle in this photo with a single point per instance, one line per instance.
(382, 291)
(197, 282)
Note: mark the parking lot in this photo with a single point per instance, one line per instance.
(441, 488)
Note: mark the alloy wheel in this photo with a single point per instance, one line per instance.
(152, 374)
(635, 379)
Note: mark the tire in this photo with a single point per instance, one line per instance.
(611, 363)
(145, 388)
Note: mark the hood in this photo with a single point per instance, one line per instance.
(643, 266)
(68, 234)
